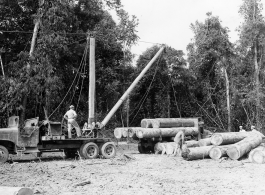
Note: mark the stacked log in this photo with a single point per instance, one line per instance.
(218, 152)
(205, 142)
(196, 153)
(259, 156)
(192, 144)
(244, 146)
(261, 147)
(218, 139)
(174, 122)
(164, 132)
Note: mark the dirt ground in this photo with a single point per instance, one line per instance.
(144, 174)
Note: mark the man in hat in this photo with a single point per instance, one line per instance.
(70, 116)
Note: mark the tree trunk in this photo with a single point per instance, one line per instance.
(227, 101)
(196, 153)
(4, 190)
(165, 132)
(251, 154)
(175, 122)
(192, 143)
(205, 142)
(218, 151)
(168, 103)
(257, 86)
(244, 146)
(227, 138)
(148, 123)
(259, 156)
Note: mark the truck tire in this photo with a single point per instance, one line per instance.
(89, 150)
(108, 150)
(3, 154)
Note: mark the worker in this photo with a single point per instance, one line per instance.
(252, 128)
(179, 140)
(241, 129)
(70, 116)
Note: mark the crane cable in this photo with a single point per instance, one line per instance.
(68, 89)
(147, 91)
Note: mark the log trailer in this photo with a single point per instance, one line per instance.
(47, 136)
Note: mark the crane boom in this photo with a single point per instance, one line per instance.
(129, 90)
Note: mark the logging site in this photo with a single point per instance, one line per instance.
(103, 97)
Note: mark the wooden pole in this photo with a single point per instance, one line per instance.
(92, 82)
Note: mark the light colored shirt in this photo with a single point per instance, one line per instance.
(71, 114)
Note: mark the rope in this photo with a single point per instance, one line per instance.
(170, 78)
(67, 91)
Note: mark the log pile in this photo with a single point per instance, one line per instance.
(160, 127)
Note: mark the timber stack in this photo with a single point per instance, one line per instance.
(161, 128)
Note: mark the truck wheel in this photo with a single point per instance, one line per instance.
(89, 150)
(70, 153)
(3, 154)
(108, 150)
(142, 149)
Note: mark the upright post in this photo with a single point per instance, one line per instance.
(92, 82)
(2, 66)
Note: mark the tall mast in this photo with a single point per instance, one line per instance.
(91, 96)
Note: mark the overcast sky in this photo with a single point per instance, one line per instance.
(168, 21)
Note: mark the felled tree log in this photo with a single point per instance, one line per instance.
(196, 153)
(132, 132)
(227, 138)
(148, 123)
(118, 132)
(218, 151)
(125, 132)
(175, 122)
(165, 132)
(167, 146)
(205, 142)
(244, 146)
(4, 190)
(192, 143)
(259, 156)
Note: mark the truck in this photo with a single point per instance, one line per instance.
(35, 136)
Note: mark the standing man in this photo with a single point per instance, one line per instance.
(70, 116)
(241, 129)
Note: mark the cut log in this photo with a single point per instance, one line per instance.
(125, 132)
(205, 142)
(219, 151)
(175, 122)
(227, 138)
(196, 153)
(261, 147)
(259, 156)
(148, 123)
(5, 190)
(132, 132)
(192, 143)
(118, 132)
(165, 132)
(244, 146)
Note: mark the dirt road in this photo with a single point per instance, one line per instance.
(143, 174)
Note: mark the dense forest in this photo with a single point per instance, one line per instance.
(220, 81)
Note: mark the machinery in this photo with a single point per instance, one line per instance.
(47, 136)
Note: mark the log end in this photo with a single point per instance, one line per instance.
(233, 153)
(215, 153)
(217, 139)
(118, 133)
(258, 157)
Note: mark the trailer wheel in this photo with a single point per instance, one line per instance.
(108, 150)
(89, 150)
(3, 154)
(142, 149)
